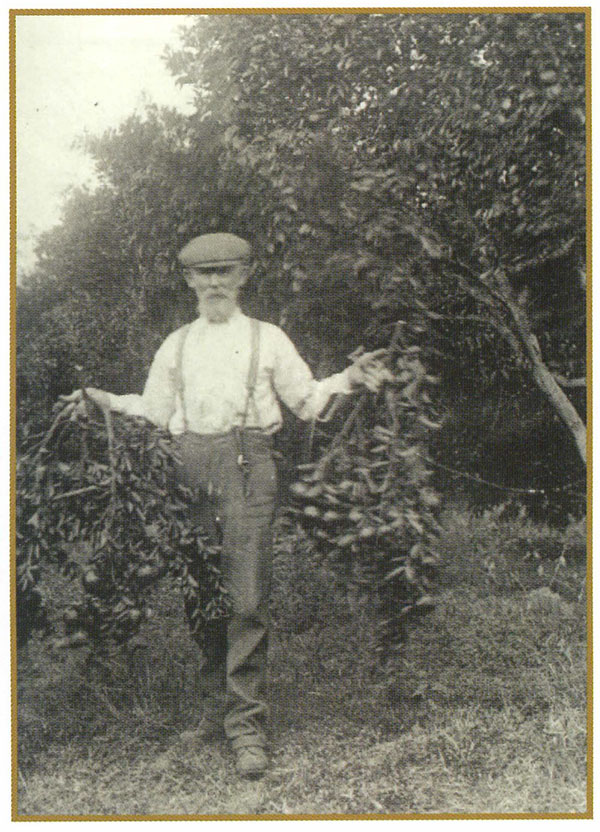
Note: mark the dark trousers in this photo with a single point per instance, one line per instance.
(241, 513)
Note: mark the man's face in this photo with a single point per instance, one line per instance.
(217, 288)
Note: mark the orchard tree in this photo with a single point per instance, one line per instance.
(106, 288)
(461, 133)
(417, 167)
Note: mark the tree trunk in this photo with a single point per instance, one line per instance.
(561, 403)
(541, 374)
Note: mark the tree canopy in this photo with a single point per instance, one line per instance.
(420, 167)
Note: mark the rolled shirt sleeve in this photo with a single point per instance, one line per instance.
(295, 384)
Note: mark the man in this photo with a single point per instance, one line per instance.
(214, 384)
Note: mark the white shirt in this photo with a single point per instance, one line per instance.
(214, 365)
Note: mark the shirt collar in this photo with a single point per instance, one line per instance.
(234, 320)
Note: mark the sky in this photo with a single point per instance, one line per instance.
(79, 74)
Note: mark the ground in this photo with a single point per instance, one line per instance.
(482, 711)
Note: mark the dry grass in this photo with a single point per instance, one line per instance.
(484, 711)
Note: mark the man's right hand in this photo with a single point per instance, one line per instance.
(99, 397)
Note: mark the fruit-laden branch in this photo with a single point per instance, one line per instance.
(366, 502)
(97, 500)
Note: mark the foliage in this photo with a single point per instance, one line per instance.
(367, 502)
(446, 151)
(452, 125)
(101, 503)
(384, 166)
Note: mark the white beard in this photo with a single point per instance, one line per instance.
(217, 310)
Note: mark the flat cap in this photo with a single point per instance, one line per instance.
(210, 249)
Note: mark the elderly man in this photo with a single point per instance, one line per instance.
(214, 384)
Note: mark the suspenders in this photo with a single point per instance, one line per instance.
(250, 389)
(252, 369)
(179, 373)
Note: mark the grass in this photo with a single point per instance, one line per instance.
(483, 711)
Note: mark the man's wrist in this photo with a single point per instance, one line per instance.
(99, 397)
(347, 382)
(353, 377)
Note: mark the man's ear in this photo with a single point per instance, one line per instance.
(244, 273)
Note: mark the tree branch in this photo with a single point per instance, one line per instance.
(570, 382)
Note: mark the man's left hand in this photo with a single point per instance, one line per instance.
(369, 371)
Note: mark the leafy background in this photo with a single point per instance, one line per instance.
(384, 167)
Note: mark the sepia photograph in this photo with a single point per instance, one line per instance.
(300, 340)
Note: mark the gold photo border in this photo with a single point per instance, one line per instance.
(13, 15)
